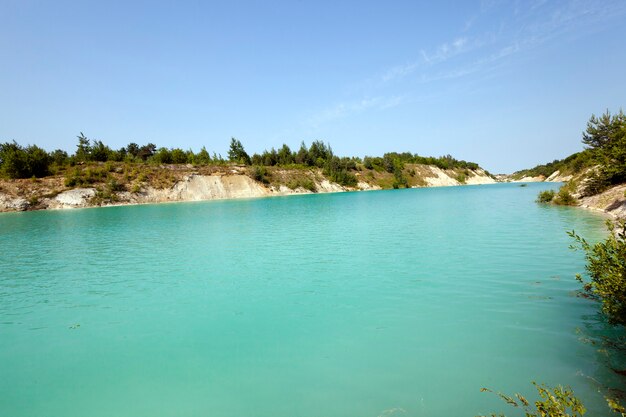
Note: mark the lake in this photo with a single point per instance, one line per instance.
(399, 302)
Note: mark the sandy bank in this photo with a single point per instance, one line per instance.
(20, 195)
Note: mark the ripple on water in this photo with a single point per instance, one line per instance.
(333, 305)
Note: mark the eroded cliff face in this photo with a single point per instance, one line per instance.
(556, 176)
(611, 201)
(25, 195)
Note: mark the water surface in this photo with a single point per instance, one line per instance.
(399, 302)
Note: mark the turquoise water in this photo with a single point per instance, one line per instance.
(401, 302)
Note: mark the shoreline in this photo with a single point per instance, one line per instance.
(51, 193)
(274, 195)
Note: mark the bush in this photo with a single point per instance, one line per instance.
(564, 198)
(596, 183)
(545, 196)
(77, 177)
(305, 183)
(606, 266)
(19, 162)
(555, 402)
(259, 173)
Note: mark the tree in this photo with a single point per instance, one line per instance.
(59, 157)
(13, 160)
(202, 157)
(606, 137)
(146, 151)
(83, 149)
(132, 149)
(99, 151)
(38, 161)
(285, 156)
(319, 153)
(237, 153)
(302, 157)
(179, 156)
(19, 162)
(163, 156)
(606, 266)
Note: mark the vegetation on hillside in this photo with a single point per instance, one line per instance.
(17, 161)
(571, 165)
(601, 165)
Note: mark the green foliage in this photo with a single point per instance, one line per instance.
(59, 157)
(100, 152)
(545, 196)
(606, 137)
(285, 156)
(79, 177)
(338, 170)
(132, 149)
(596, 182)
(565, 198)
(260, 174)
(179, 156)
(391, 160)
(615, 406)
(554, 402)
(202, 157)
(146, 151)
(162, 156)
(305, 183)
(83, 149)
(606, 267)
(19, 162)
(573, 164)
(237, 153)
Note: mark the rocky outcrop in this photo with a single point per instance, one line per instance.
(556, 176)
(478, 177)
(214, 187)
(611, 201)
(8, 203)
(76, 198)
(440, 178)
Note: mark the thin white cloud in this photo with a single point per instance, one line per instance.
(399, 71)
(446, 50)
(521, 26)
(349, 108)
(442, 53)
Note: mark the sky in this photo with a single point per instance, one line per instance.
(507, 84)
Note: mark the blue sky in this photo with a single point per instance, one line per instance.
(507, 84)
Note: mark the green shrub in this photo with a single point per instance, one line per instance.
(555, 402)
(606, 266)
(565, 198)
(305, 183)
(596, 183)
(19, 162)
(260, 174)
(77, 177)
(545, 196)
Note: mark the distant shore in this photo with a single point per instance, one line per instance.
(124, 185)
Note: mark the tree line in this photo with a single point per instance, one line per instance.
(605, 152)
(18, 161)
